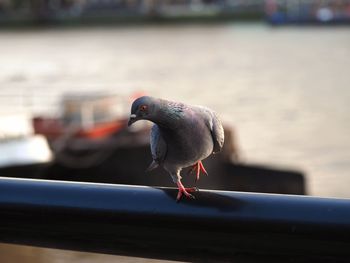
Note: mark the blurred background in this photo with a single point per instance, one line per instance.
(277, 72)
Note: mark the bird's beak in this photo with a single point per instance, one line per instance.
(132, 119)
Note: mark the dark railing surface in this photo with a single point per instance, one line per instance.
(147, 222)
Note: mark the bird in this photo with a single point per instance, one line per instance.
(182, 136)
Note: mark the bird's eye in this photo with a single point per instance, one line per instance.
(143, 108)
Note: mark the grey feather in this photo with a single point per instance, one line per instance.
(217, 132)
(158, 147)
(215, 127)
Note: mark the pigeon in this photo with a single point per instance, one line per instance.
(182, 136)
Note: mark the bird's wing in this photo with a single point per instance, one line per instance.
(217, 132)
(216, 129)
(158, 145)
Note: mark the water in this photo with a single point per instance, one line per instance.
(26, 254)
(285, 90)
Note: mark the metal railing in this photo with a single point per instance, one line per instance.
(147, 222)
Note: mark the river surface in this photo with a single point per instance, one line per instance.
(285, 90)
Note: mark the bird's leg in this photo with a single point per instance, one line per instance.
(198, 167)
(201, 167)
(193, 168)
(184, 191)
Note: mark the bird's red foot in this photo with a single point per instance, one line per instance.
(198, 167)
(185, 191)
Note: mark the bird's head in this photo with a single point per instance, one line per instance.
(142, 109)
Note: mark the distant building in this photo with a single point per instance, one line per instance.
(308, 11)
(51, 10)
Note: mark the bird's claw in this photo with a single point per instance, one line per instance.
(185, 191)
(180, 194)
(191, 197)
(198, 168)
(195, 189)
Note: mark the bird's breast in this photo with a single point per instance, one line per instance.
(188, 143)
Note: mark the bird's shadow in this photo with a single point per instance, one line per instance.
(207, 199)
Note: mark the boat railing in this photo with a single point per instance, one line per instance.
(147, 222)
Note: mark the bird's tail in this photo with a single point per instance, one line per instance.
(152, 166)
